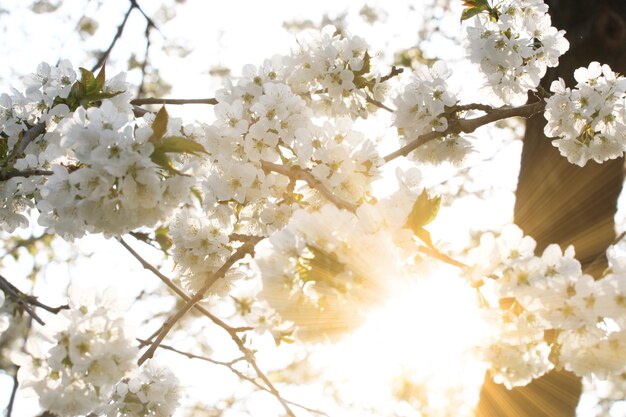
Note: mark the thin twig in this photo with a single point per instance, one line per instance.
(242, 251)
(232, 332)
(144, 64)
(182, 294)
(30, 135)
(295, 172)
(149, 21)
(118, 35)
(27, 302)
(25, 173)
(9, 409)
(378, 103)
(394, 71)
(174, 101)
(469, 125)
(237, 372)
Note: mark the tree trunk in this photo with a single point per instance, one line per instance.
(557, 202)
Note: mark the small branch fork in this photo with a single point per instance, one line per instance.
(120, 29)
(27, 302)
(297, 173)
(231, 367)
(246, 248)
(470, 125)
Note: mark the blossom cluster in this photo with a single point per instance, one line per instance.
(91, 353)
(326, 268)
(151, 391)
(589, 120)
(91, 169)
(548, 313)
(277, 114)
(424, 106)
(514, 44)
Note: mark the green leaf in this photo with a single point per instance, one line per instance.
(163, 238)
(159, 126)
(162, 160)
(88, 81)
(474, 7)
(424, 211)
(101, 77)
(179, 144)
(424, 236)
(476, 3)
(470, 12)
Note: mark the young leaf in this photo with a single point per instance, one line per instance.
(474, 7)
(100, 78)
(159, 126)
(178, 144)
(469, 13)
(162, 160)
(88, 81)
(163, 238)
(424, 211)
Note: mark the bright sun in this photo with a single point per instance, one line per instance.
(418, 348)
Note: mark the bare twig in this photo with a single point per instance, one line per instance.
(182, 294)
(434, 253)
(295, 172)
(237, 372)
(174, 101)
(120, 29)
(30, 135)
(394, 71)
(25, 173)
(232, 331)
(27, 302)
(242, 251)
(469, 125)
(16, 383)
(146, 55)
(377, 103)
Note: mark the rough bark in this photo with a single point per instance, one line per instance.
(557, 202)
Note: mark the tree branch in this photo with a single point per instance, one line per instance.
(297, 173)
(118, 35)
(174, 101)
(469, 125)
(25, 173)
(30, 135)
(182, 294)
(237, 372)
(26, 301)
(232, 332)
(243, 250)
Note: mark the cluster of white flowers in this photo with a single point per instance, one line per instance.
(548, 313)
(268, 117)
(101, 176)
(117, 186)
(513, 45)
(424, 106)
(19, 113)
(151, 391)
(92, 352)
(589, 120)
(202, 245)
(327, 267)
(331, 70)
